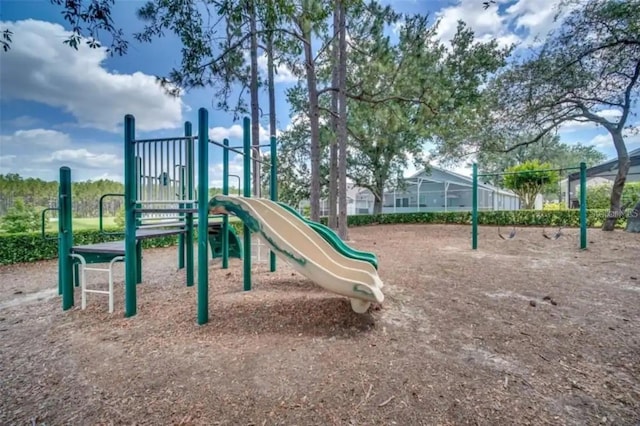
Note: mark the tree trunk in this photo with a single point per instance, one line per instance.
(633, 220)
(342, 126)
(615, 209)
(271, 89)
(333, 149)
(314, 130)
(377, 203)
(255, 106)
(271, 85)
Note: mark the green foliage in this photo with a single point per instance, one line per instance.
(37, 192)
(529, 181)
(599, 196)
(30, 247)
(21, 218)
(554, 206)
(549, 149)
(88, 19)
(564, 218)
(119, 218)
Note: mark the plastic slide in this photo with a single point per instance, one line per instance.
(298, 244)
(332, 238)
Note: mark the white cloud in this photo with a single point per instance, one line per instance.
(27, 140)
(486, 23)
(40, 68)
(23, 121)
(519, 23)
(605, 142)
(571, 126)
(234, 133)
(41, 152)
(282, 74)
(83, 157)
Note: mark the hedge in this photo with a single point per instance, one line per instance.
(565, 218)
(30, 247)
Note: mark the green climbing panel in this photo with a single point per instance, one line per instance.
(215, 241)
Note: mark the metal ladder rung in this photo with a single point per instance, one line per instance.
(96, 291)
(96, 269)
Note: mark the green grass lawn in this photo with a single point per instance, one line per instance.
(108, 222)
(87, 223)
(80, 224)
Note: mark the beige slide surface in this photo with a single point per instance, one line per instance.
(299, 245)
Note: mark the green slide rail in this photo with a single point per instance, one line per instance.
(333, 239)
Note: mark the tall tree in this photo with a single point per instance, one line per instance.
(333, 149)
(342, 121)
(528, 180)
(421, 91)
(587, 70)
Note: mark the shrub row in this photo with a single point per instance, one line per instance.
(564, 218)
(30, 247)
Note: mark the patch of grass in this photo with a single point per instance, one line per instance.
(84, 223)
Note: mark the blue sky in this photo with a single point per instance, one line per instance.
(65, 107)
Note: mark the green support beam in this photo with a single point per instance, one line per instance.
(130, 249)
(246, 274)
(203, 214)
(189, 221)
(273, 187)
(225, 191)
(65, 239)
(583, 205)
(474, 209)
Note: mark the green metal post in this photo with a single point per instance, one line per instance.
(65, 235)
(134, 186)
(181, 237)
(583, 205)
(130, 249)
(474, 209)
(189, 222)
(225, 218)
(246, 273)
(273, 189)
(203, 214)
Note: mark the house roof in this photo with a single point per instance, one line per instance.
(608, 166)
(466, 179)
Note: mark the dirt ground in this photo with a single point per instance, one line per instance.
(527, 331)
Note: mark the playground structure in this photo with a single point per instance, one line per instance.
(161, 199)
(583, 205)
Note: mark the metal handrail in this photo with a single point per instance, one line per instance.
(100, 210)
(44, 236)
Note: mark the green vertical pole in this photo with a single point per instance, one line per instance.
(273, 189)
(65, 236)
(181, 237)
(134, 188)
(225, 218)
(583, 205)
(190, 195)
(246, 273)
(130, 249)
(203, 214)
(474, 209)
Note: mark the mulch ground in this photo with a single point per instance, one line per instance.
(527, 331)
